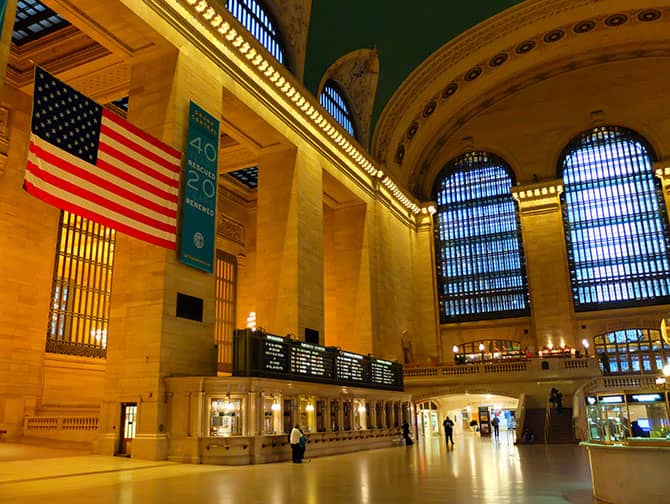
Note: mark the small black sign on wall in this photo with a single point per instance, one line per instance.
(312, 336)
(189, 307)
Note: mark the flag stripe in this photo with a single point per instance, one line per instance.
(93, 207)
(78, 171)
(127, 160)
(121, 123)
(107, 133)
(171, 199)
(52, 179)
(66, 203)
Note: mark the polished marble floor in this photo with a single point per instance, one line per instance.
(474, 471)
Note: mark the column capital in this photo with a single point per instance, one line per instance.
(662, 171)
(539, 197)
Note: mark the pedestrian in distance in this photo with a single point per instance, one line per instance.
(448, 430)
(496, 426)
(405, 434)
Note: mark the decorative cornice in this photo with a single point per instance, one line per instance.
(233, 38)
(542, 197)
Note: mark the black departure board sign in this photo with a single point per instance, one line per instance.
(351, 367)
(385, 372)
(276, 354)
(311, 360)
(256, 353)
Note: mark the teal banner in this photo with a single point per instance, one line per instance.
(198, 231)
(3, 9)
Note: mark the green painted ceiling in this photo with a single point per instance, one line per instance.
(404, 33)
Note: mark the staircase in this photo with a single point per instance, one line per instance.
(550, 427)
(558, 428)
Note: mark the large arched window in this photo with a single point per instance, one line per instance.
(254, 17)
(615, 220)
(332, 99)
(632, 351)
(479, 257)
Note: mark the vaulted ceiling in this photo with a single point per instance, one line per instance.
(404, 34)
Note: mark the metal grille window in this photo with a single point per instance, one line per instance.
(479, 256)
(82, 288)
(225, 299)
(632, 351)
(254, 18)
(615, 220)
(34, 20)
(332, 99)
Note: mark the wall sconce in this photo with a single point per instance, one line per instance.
(481, 347)
(309, 407)
(361, 408)
(585, 344)
(455, 348)
(275, 405)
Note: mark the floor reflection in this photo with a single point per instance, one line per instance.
(476, 470)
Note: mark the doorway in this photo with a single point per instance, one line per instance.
(129, 426)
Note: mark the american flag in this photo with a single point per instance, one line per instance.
(89, 161)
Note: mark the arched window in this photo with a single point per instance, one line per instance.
(632, 351)
(254, 17)
(332, 99)
(615, 221)
(479, 257)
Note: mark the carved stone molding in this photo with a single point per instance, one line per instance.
(543, 197)
(230, 229)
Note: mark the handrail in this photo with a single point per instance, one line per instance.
(547, 422)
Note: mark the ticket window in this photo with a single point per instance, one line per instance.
(271, 415)
(389, 414)
(606, 417)
(320, 416)
(347, 415)
(369, 409)
(334, 412)
(648, 416)
(225, 416)
(288, 417)
(360, 414)
(380, 414)
(396, 414)
(307, 414)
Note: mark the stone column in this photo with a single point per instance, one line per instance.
(289, 258)
(553, 316)
(662, 171)
(347, 265)
(147, 341)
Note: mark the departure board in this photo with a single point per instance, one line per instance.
(311, 360)
(350, 367)
(383, 372)
(275, 354)
(256, 353)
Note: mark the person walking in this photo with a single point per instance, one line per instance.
(449, 430)
(496, 424)
(405, 434)
(294, 441)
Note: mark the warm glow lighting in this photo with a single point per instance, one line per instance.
(550, 345)
(251, 321)
(361, 408)
(275, 406)
(585, 343)
(481, 347)
(666, 370)
(309, 407)
(455, 348)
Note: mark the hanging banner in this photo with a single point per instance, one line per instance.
(198, 231)
(3, 8)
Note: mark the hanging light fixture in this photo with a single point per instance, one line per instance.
(275, 405)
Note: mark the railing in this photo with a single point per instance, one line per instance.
(621, 383)
(70, 427)
(582, 366)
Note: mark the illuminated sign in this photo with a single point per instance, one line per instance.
(645, 397)
(613, 399)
